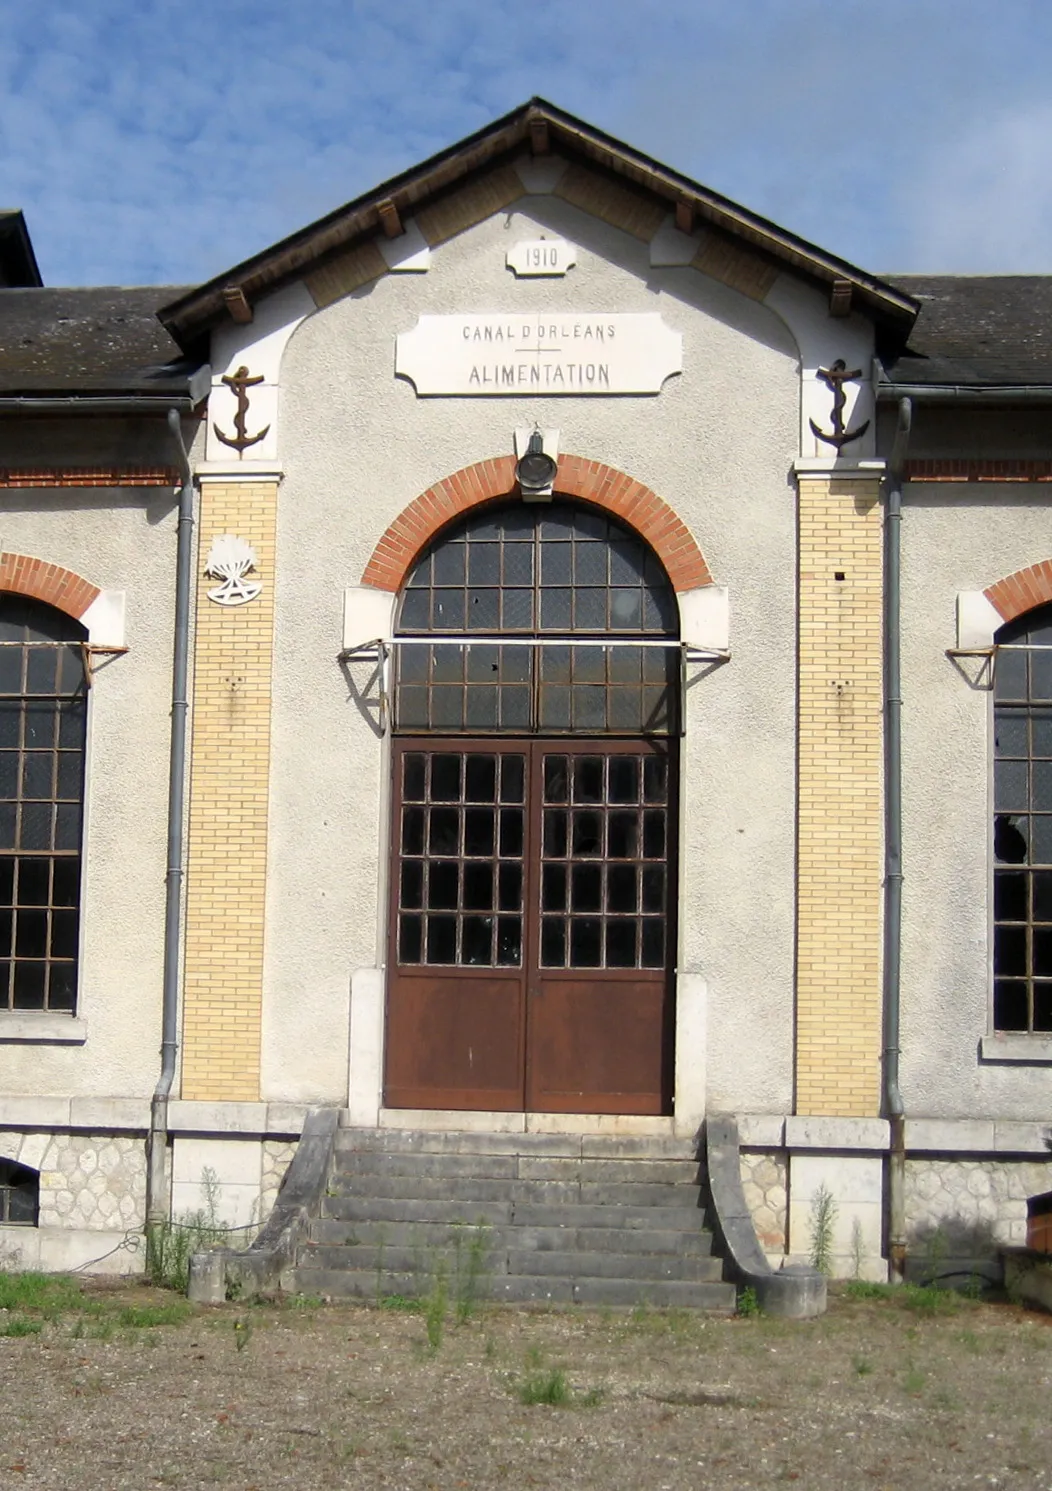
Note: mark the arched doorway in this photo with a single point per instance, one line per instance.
(536, 713)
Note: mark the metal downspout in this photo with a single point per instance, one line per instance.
(157, 1195)
(893, 1104)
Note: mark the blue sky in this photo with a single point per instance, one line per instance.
(150, 141)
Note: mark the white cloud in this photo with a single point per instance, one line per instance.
(981, 201)
(149, 145)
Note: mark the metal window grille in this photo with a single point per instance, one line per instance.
(19, 1195)
(43, 704)
(582, 603)
(1023, 825)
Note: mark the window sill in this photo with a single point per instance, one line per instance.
(1032, 1050)
(42, 1027)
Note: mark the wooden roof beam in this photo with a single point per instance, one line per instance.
(685, 216)
(390, 219)
(840, 295)
(237, 304)
(540, 144)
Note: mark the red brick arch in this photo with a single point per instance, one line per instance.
(621, 495)
(1022, 591)
(59, 587)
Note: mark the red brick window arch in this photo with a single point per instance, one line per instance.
(603, 486)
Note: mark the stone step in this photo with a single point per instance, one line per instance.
(450, 1141)
(580, 1264)
(502, 1213)
(517, 1167)
(529, 1289)
(467, 1189)
(496, 1262)
(332, 1232)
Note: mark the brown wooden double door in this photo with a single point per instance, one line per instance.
(532, 926)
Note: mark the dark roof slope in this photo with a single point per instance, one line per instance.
(979, 330)
(89, 341)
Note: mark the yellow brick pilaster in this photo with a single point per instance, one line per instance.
(840, 794)
(229, 788)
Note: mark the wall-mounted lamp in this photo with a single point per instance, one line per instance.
(536, 468)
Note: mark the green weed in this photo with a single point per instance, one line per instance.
(172, 1243)
(49, 1293)
(748, 1302)
(823, 1221)
(469, 1269)
(435, 1309)
(550, 1388)
(144, 1317)
(862, 1365)
(18, 1327)
(399, 1302)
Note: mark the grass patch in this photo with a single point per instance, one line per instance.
(50, 1294)
(548, 1388)
(144, 1317)
(400, 1304)
(921, 1299)
(22, 1328)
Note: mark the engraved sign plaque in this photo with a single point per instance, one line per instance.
(554, 354)
(535, 258)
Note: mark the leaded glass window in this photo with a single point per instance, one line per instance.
(530, 572)
(1023, 825)
(43, 704)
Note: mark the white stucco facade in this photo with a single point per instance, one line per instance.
(351, 446)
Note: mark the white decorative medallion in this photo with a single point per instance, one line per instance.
(230, 559)
(552, 354)
(537, 257)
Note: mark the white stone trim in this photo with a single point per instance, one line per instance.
(368, 616)
(540, 175)
(761, 1130)
(819, 466)
(705, 617)
(692, 1000)
(185, 1117)
(975, 1136)
(366, 1047)
(836, 1133)
(104, 619)
(228, 471)
(42, 1028)
(821, 339)
(258, 345)
(670, 247)
(977, 620)
(1033, 1049)
(409, 253)
(59, 1249)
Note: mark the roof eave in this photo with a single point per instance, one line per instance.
(189, 317)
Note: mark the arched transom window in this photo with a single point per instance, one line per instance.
(43, 703)
(585, 614)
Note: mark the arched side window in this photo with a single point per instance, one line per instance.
(43, 714)
(1023, 824)
(529, 573)
(19, 1195)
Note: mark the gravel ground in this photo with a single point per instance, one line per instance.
(893, 1394)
